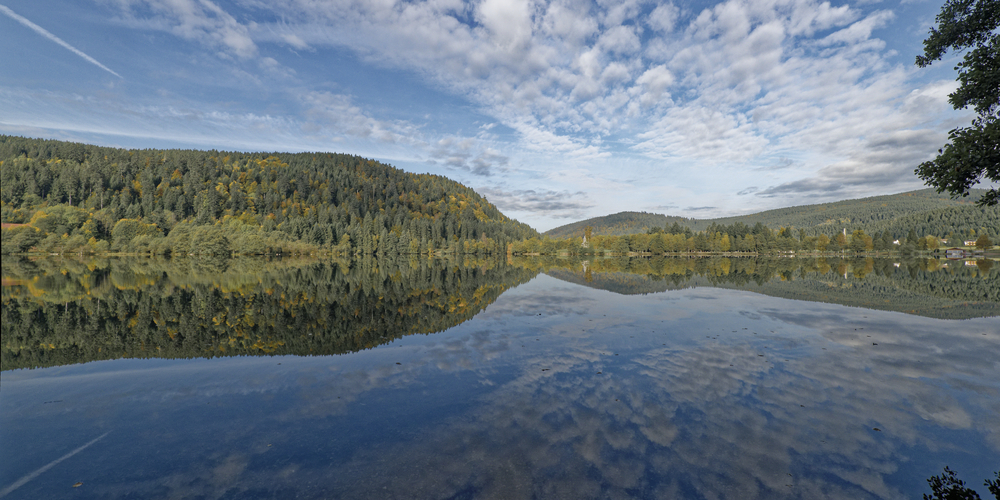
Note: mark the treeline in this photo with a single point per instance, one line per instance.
(75, 198)
(926, 287)
(740, 238)
(67, 311)
(926, 211)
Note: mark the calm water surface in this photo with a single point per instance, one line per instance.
(546, 389)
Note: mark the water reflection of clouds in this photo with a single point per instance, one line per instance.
(784, 406)
(526, 300)
(910, 352)
(332, 389)
(470, 352)
(721, 419)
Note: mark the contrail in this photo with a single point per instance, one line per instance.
(41, 31)
(29, 477)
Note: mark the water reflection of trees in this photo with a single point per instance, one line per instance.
(60, 311)
(948, 486)
(928, 287)
(63, 311)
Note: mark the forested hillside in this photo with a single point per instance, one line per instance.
(963, 222)
(70, 197)
(926, 211)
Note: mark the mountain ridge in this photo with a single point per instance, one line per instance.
(870, 214)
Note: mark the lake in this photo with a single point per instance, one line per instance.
(478, 378)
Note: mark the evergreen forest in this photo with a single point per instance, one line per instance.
(63, 197)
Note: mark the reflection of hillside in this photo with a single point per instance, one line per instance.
(58, 312)
(923, 286)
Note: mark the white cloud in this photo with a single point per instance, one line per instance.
(508, 21)
(468, 154)
(663, 18)
(620, 40)
(201, 21)
(554, 204)
(860, 31)
(615, 72)
(295, 41)
(702, 132)
(807, 21)
(568, 23)
(340, 114)
(655, 80)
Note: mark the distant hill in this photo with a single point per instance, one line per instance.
(619, 224)
(895, 213)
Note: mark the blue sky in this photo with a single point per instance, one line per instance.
(554, 110)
